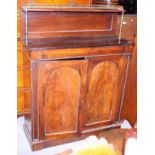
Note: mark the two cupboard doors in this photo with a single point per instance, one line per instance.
(80, 95)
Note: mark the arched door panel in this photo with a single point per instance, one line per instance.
(105, 86)
(62, 84)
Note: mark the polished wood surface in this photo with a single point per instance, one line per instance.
(62, 83)
(83, 42)
(128, 31)
(53, 76)
(66, 102)
(20, 67)
(76, 21)
(27, 95)
(59, 96)
(27, 85)
(63, 24)
(106, 78)
(100, 92)
(80, 3)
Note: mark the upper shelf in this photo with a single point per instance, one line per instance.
(39, 22)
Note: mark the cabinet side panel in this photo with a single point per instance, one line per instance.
(129, 109)
(101, 90)
(62, 90)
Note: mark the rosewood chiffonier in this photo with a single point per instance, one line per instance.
(76, 71)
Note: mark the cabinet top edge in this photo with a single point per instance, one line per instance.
(76, 42)
(73, 8)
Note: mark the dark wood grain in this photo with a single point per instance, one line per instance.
(68, 21)
(76, 42)
(59, 24)
(60, 96)
(72, 81)
(100, 94)
(83, 5)
(46, 77)
(104, 90)
(61, 86)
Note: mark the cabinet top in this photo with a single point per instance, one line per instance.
(76, 42)
(74, 8)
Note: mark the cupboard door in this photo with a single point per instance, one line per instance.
(62, 85)
(106, 79)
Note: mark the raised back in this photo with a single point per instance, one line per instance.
(65, 21)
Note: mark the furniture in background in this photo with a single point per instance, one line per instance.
(20, 66)
(129, 5)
